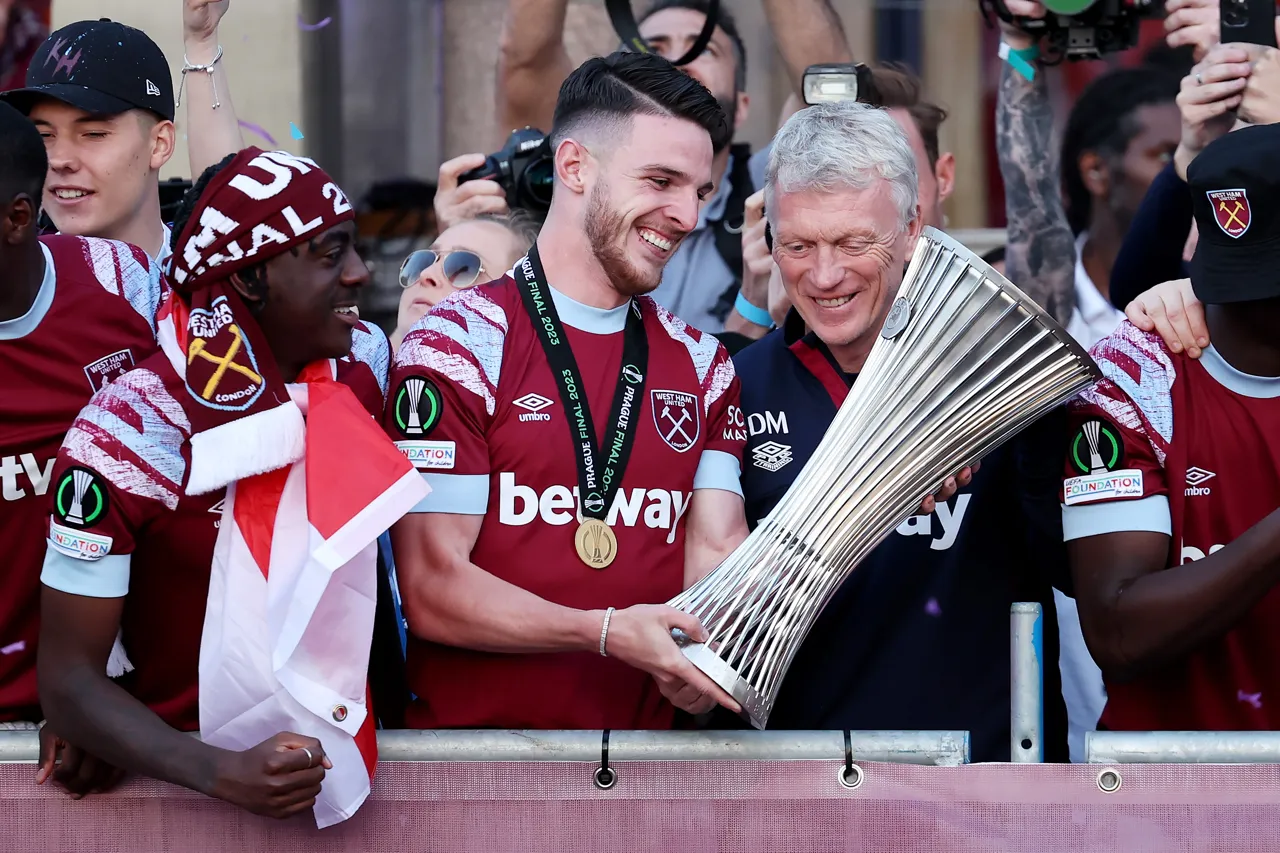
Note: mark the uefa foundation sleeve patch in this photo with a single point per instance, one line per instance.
(80, 503)
(1096, 453)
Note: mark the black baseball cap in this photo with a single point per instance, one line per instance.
(100, 67)
(1235, 194)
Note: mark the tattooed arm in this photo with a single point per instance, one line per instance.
(1040, 256)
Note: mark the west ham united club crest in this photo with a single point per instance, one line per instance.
(108, 369)
(221, 367)
(675, 414)
(1231, 210)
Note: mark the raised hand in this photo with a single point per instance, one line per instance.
(200, 18)
(1208, 98)
(1014, 37)
(757, 261)
(459, 202)
(1193, 22)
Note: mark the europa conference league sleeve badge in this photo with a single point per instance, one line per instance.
(418, 407)
(80, 498)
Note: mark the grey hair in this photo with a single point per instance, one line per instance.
(837, 145)
(524, 227)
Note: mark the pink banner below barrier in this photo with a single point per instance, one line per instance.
(732, 806)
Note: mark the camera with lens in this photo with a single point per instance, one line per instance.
(523, 168)
(1081, 29)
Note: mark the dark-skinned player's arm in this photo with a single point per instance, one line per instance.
(1137, 613)
(86, 708)
(1138, 616)
(127, 482)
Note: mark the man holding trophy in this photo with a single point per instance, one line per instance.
(908, 640)
(533, 596)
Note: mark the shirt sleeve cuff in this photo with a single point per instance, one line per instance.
(460, 494)
(718, 470)
(107, 577)
(1145, 515)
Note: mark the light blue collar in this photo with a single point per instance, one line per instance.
(20, 327)
(597, 321)
(1244, 384)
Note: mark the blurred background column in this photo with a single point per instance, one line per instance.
(953, 77)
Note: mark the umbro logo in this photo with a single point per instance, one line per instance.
(533, 404)
(217, 510)
(772, 456)
(153, 89)
(1196, 476)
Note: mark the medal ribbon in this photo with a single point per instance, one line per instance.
(597, 483)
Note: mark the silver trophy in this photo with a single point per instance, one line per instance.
(964, 362)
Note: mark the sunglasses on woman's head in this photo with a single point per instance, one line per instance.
(462, 268)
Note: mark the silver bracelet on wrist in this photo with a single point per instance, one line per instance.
(604, 631)
(188, 66)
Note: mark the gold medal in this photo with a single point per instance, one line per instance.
(595, 543)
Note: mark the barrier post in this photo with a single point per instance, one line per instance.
(1027, 683)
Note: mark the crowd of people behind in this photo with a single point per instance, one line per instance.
(233, 507)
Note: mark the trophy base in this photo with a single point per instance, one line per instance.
(754, 708)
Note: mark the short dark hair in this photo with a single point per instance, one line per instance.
(1104, 121)
(901, 88)
(724, 20)
(621, 85)
(23, 160)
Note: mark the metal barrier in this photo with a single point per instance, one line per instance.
(791, 806)
(461, 791)
(1182, 748)
(939, 749)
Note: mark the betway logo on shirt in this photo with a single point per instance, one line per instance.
(660, 509)
(13, 486)
(949, 519)
(1190, 553)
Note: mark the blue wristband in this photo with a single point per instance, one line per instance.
(1020, 60)
(751, 313)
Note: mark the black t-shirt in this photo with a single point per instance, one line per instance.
(917, 638)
